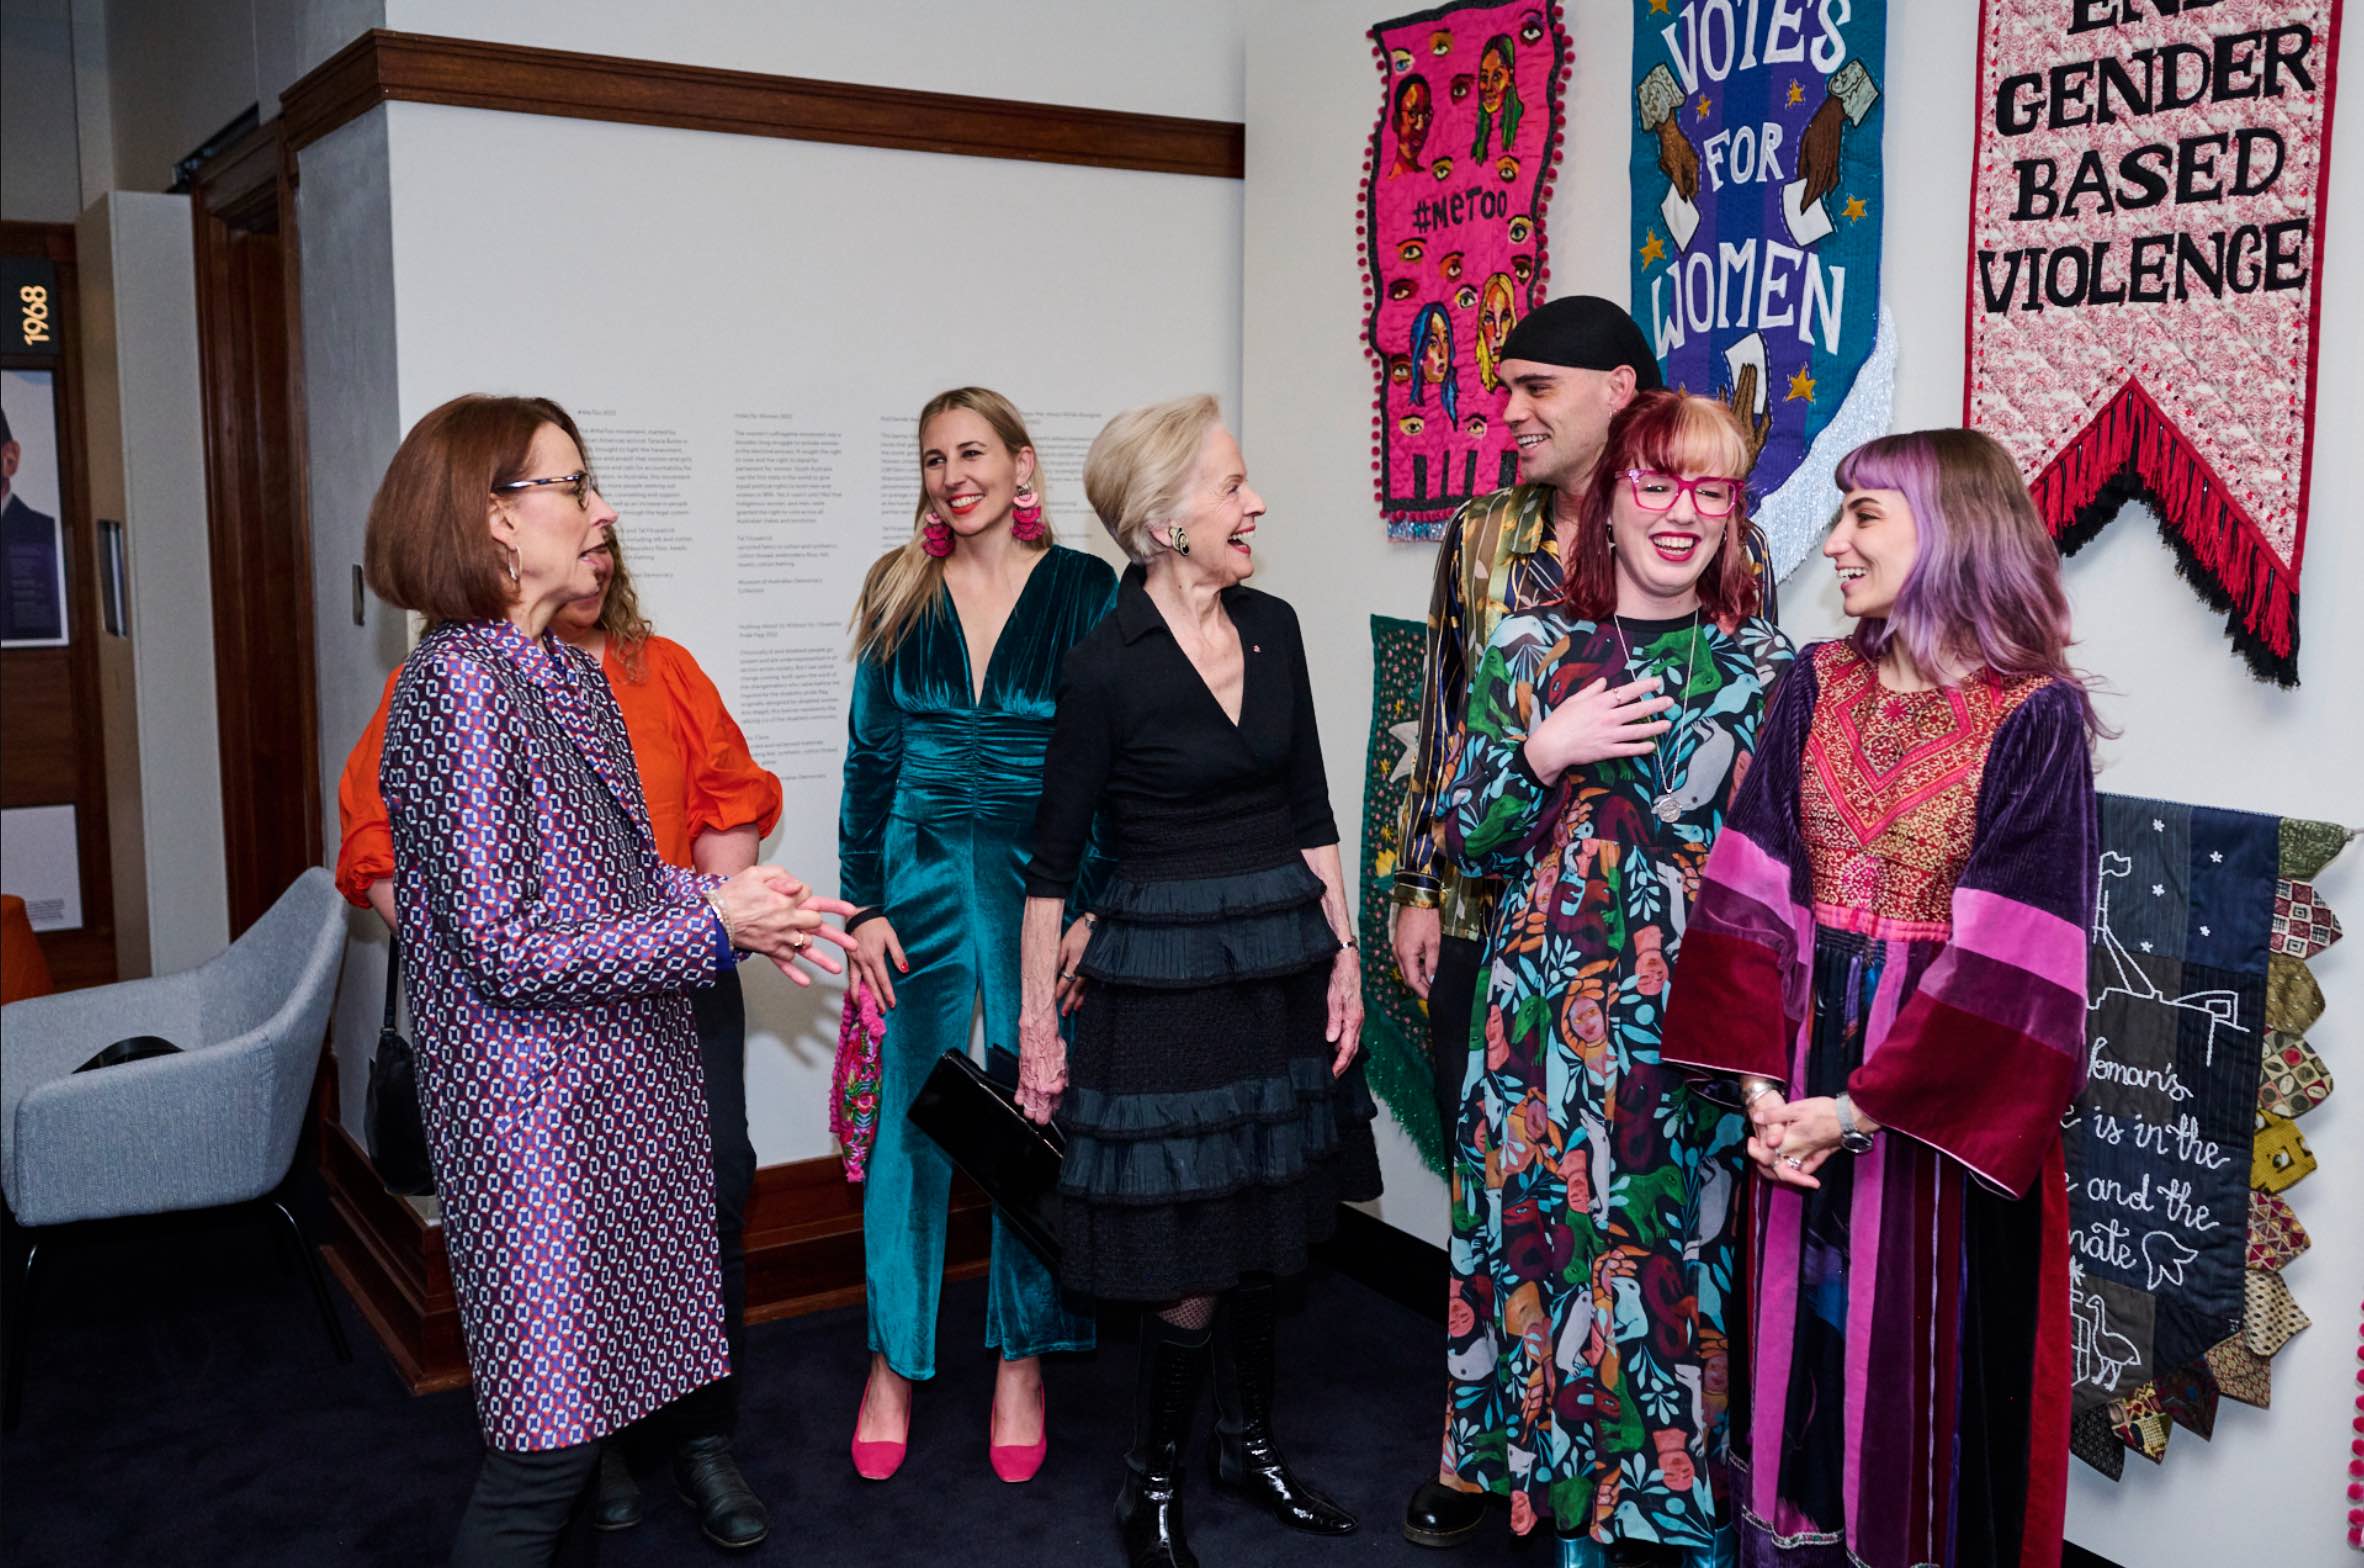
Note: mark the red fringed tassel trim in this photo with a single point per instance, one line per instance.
(2133, 451)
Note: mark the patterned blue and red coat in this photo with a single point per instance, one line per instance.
(548, 953)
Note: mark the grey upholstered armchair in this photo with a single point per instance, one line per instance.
(212, 1126)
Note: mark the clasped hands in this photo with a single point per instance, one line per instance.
(770, 912)
(1788, 1141)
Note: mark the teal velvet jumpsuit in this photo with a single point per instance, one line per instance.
(933, 829)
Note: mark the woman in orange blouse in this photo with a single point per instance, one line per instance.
(709, 806)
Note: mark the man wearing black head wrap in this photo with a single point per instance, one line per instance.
(1570, 366)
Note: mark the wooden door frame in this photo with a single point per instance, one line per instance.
(85, 956)
(249, 185)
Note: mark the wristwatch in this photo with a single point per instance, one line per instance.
(1851, 1137)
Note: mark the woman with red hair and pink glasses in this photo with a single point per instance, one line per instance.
(1593, 1191)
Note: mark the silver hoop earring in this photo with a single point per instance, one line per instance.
(1179, 539)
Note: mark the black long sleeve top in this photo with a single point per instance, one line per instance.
(1139, 734)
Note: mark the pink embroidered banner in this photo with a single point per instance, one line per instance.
(2146, 232)
(1454, 186)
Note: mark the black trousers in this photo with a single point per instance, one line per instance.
(721, 1009)
(1453, 1001)
(531, 1510)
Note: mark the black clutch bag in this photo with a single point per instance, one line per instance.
(397, 1134)
(977, 1122)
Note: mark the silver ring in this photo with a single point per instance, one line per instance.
(1793, 1162)
(797, 941)
(1066, 974)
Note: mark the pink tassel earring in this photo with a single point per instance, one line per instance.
(936, 537)
(1026, 515)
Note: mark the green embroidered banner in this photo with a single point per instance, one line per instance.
(1395, 1022)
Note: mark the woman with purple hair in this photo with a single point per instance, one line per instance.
(1886, 969)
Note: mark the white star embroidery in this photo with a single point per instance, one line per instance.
(2204, 931)
(2157, 826)
(1404, 737)
(2216, 857)
(2158, 890)
(2146, 947)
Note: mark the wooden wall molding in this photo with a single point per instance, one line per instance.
(250, 363)
(387, 67)
(804, 1254)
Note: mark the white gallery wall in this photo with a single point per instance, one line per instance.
(1105, 54)
(2195, 727)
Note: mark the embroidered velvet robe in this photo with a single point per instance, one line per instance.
(1898, 907)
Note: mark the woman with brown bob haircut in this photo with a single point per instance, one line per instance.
(710, 804)
(549, 958)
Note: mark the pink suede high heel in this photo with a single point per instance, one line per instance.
(1016, 1462)
(875, 1461)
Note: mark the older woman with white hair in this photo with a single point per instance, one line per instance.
(1217, 1114)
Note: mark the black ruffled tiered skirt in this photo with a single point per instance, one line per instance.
(1206, 1138)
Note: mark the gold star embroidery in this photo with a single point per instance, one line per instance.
(1854, 209)
(1703, 106)
(1801, 385)
(1653, 249)
(1658, 7)
(1797, 94)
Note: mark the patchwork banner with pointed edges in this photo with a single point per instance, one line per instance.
(2183, 1147)
(1757, 204)
(1455, 180)
(2146, 235)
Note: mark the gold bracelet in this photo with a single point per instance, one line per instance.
(730, 927)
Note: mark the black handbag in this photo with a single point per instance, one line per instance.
(397, 1138)
(977, 1122)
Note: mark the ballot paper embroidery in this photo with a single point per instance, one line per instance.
(1757, 203)
(1455, 180)
(2146, 235)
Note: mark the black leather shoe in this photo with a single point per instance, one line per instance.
(618, 1507)
(1149, 1505)
(709, 1481)
(1247, 1460)
(1440, 1516)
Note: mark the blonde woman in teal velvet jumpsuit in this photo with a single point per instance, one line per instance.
(958, 641)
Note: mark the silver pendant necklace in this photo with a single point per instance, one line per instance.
(1663, 805)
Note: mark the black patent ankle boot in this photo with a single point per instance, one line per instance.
(1149, 1506)
(1247, 1460)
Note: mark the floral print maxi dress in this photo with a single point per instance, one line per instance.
(1593, 1194)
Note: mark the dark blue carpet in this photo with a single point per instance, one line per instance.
(183, 1406)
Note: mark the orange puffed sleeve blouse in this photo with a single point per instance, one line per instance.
(695, 770)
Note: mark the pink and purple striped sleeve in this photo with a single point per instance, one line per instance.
(1738, 1000)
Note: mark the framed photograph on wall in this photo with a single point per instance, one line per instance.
(32, 541)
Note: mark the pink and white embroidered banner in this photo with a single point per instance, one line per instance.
(2146, 231)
